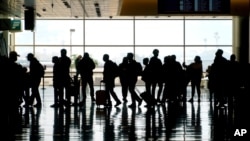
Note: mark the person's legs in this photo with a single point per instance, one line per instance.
(113, 94)
(107, 91)
(35, 92)
(192, 91)
(91, 87)
(124, 91)
(84, 85)
(198, 88)
(160, 86)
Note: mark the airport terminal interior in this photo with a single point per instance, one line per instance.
(182, 28)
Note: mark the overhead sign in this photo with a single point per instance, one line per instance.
(194, 6)
(15, 25)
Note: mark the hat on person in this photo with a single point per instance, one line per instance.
(13, 53)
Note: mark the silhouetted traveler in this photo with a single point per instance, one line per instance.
(64, 65)
(173, 79)
(146, 75)
(123, 76)
(77, 60)
(155, 67)
(134, 70)
(86, 67)
(219, 76)
(194, 72)
(36, 71)
(56, 80)
(26, 86)
(235, 78)
(109, 75)
(13, 84)
(210, 84)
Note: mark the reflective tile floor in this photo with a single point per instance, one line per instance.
(182, 121)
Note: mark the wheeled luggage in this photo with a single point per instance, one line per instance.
(75, 88)
(100, 96)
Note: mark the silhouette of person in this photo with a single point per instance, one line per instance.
(56, 80)
(218, 76)
(134, 70)
(123, 76)
(235, 80)
(86, 67)
(34, 70)
(194, 72)
(109, 80)
(26, 86)
(77, 60)
(146, 75)
(210, 84)
(64, 65)
(155, 66)
(172, 78)
(18, 77)
(14, 87)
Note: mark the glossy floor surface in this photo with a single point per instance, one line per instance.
(181, 121)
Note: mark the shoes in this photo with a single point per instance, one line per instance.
(190, 100)
(132, 106)
(38, 105)
(26, 105)
(118, 103)
(54, 105)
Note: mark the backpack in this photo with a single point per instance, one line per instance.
(115, 69)
(41, 70)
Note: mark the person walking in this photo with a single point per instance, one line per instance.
(36, 71)
(123, 76)
(109, 75)
(134, 70)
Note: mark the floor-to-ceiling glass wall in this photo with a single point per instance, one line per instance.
(184, 37)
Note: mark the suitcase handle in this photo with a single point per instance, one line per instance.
(101, 84)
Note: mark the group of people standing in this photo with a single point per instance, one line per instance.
(169, 77)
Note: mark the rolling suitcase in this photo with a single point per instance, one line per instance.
(74, 89)
(100, 96)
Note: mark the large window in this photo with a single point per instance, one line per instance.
(184, 37)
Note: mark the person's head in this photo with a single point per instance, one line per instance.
(197, 59)
(55, 59)
(13, 55)
(233, 57)
(219, 52)
(173, 57)
(155, 52)
(63, 52)
(105, 57)
(30, 56)
(86, 55)
(130, 56)
(145, 61)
